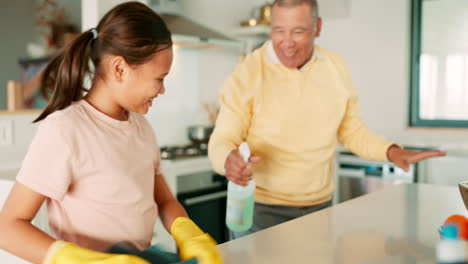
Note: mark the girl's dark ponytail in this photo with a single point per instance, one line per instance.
(63, 78)
(131, 30)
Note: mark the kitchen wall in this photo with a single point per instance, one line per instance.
(372, 35)
(375, 41)
(93, 10)
(225, 15)
(23, 131)
(17, 28)
(195, 78)
(374, 38)
(192, 81)
(16, 20)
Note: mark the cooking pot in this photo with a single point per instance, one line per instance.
(199, 134)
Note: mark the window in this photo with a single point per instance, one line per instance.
(439, 77)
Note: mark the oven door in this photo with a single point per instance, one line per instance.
(207, 208)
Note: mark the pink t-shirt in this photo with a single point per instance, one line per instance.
(98, 175)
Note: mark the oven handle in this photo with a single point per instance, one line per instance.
(205, 198)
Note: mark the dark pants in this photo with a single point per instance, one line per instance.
(266, 215)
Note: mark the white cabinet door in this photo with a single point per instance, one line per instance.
(448, 170)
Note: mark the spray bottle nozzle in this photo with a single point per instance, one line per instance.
(244, 151)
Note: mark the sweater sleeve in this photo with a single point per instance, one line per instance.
(352, 132)
(235, 114)
(358, 138)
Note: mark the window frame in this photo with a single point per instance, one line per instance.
(415, 119)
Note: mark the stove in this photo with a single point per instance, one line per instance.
(184, 151)
(200, 190)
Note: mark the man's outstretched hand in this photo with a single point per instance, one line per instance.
(403, 158)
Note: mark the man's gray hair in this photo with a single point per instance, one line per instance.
(312, 3)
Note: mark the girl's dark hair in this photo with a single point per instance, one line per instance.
(131, 30)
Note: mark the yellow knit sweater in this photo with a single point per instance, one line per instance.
(293, 121)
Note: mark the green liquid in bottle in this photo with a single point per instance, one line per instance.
(239, 213)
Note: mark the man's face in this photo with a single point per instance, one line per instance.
(294, 30)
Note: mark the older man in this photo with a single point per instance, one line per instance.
(293, 101)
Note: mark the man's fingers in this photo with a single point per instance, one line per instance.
(235, 178)
(236, 174)
(419, 156)
(238, 161)
(243, 183)
(254, 159)
(247, 173)
(406, 167)
(237, 167)
(237, 170)
(235, 162)
(238, 179)
(235, 158)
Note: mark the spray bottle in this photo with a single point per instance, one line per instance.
(450, 249)
(240, 200)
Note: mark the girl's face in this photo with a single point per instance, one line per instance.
(145, 82)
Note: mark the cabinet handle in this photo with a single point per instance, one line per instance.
(205, 198)
(357, 173)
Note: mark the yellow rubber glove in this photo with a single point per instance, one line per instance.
(193, 243)
(62, 252)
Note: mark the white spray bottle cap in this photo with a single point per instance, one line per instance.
(244, 151)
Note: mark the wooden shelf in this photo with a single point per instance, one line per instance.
(21, 112)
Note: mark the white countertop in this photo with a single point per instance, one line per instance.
(396, 225)
(454, 149)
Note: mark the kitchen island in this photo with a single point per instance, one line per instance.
(396, 225)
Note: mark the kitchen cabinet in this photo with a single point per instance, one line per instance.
(448, 170)
(8, 174)
(357, 176)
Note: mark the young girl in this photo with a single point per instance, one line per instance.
(95, 159)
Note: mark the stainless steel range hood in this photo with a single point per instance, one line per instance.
(188, 33)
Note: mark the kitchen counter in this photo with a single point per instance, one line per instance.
(8, 174)
(396, 225)
(171, 169)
